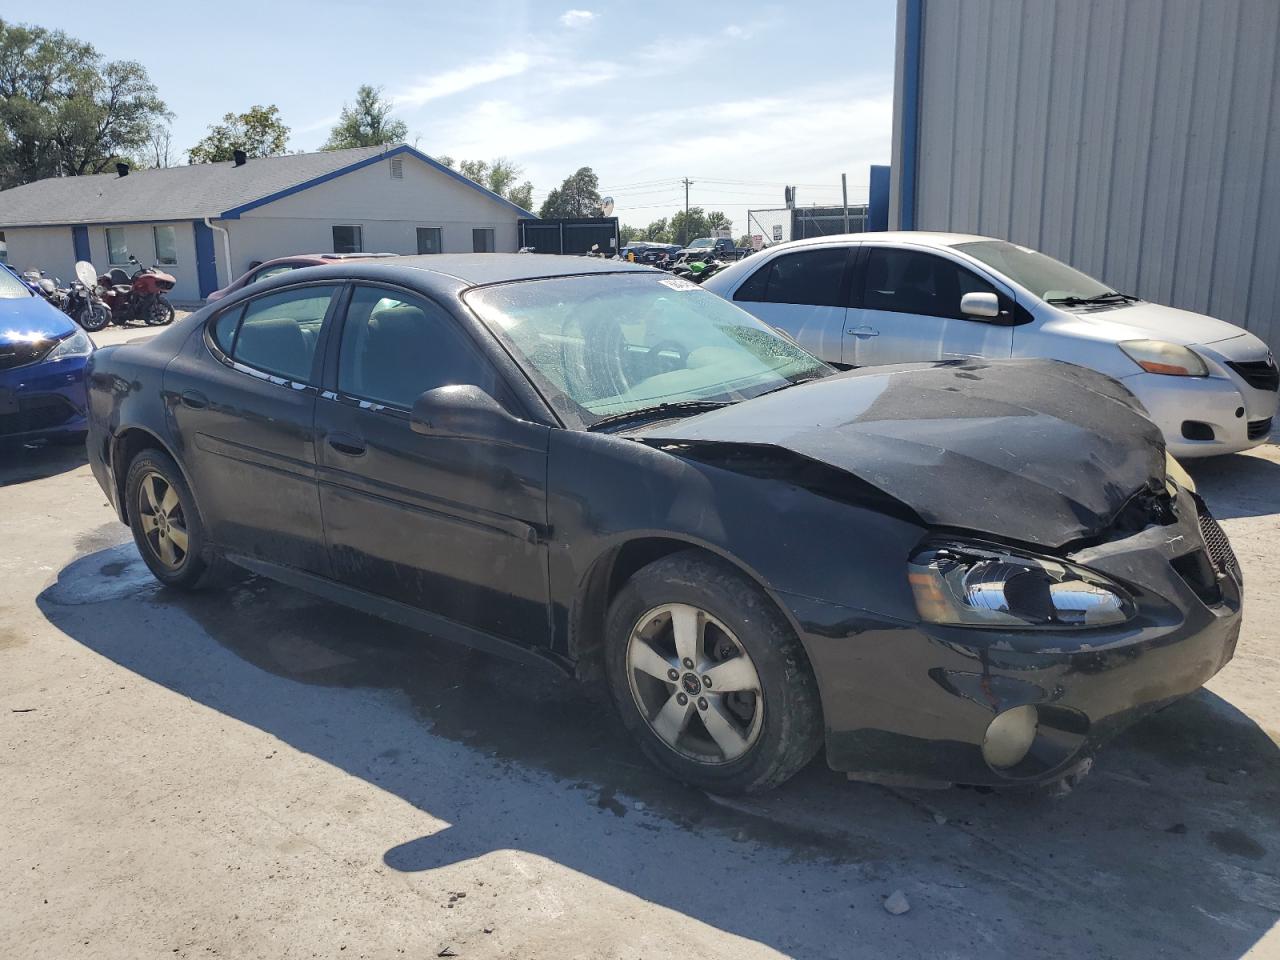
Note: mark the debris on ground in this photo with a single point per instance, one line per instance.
(896, 903)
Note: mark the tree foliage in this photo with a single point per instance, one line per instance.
(699, 224)
(366, 123)
(499, 175)
(64, 110)
(259, 132)
(578, 196)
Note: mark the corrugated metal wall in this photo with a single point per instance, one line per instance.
(1136, 139)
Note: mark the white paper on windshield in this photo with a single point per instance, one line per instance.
(678, 283)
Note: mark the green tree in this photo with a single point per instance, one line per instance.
(578, 196)
(259, 132)
(716, 219)
(366, 123)
(500, 176)
(687, 227)
(64, 111)
(744, 241)
(628, 234)
(658, 231)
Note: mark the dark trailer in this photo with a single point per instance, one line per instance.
(571, 235)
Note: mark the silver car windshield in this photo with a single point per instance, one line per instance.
(615, 343)
(1044, 276)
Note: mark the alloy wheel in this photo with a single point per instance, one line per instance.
(164, 524)
(694, 683)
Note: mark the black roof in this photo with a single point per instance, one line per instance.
(451, 273)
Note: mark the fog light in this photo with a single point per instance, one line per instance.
(1009, 737)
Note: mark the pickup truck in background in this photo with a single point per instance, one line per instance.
(721, 248)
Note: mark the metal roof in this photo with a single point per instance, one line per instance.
(194, 191)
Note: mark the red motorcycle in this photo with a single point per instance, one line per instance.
(138, 297)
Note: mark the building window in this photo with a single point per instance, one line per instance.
(117, 249)
(430, 240)
(348, 239)
(482, 240)
(166, 245)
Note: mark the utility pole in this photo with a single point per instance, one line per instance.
(844, 193)
(684, 227)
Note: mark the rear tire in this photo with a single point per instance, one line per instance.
(746, 716)
(165, 523)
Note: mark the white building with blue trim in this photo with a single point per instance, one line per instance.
(206, 223)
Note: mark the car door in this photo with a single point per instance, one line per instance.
(242, 396)
(803, 294)
(455, 526)
(906, 307)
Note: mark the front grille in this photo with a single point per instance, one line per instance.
(36, 413)
(24, 352)
(1219, 547)
(1259, 428)
(1259, 374)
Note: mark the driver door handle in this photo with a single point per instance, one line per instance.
(194, 399)
(863, 331)
(347, 444)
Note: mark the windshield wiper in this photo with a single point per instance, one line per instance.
(1098, 298)
(792, 383)
(660, 410)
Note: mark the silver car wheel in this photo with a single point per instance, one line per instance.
(694, 684)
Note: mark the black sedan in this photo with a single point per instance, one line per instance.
(973, 572)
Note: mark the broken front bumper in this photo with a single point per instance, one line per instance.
(912, 702)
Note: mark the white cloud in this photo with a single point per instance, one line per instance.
(573, 19)
(450, 82)
(500, 128)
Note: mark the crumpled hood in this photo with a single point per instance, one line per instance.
(1154, 321)
(1036, 451)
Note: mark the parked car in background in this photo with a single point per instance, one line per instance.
(273, 268)
(868, 299)
(721, 248)
(946, 574)
(650, 252)
(42, 362)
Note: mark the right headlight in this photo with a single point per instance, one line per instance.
(976, 585)
(1159, 356)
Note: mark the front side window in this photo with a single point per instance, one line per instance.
(430, 240)
(395, 347)
(482, 240)
(614, 343)
(1042, 275)
(11, 288)
(166, 245)
(911, 281)
(117, 249)
(348, 239)
(277, 334)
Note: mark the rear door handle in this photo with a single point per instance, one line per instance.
(346, 443)
(194, 400)
(863, 332)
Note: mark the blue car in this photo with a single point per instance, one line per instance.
(42, 368)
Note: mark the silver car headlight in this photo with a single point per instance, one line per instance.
(76, 345)
(1170, 359)
(976, 585)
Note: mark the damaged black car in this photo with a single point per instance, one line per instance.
(967, 573)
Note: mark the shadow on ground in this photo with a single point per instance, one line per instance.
(1238, 485)
(1170, 848)
(37, 461)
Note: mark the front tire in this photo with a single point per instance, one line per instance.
(94, 317)
(166, 526)
(159, 313)
(709, 677)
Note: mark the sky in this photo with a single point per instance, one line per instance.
(740, 97)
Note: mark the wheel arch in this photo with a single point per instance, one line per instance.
(616, 565)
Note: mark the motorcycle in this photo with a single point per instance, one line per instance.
(140, 296)
(45, 285)
(698, 270)
(83, 302)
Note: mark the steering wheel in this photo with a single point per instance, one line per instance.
(666, 364)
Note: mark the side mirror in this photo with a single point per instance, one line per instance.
(980, 305)
(463, 411)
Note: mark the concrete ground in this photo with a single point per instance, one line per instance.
(255, 773)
